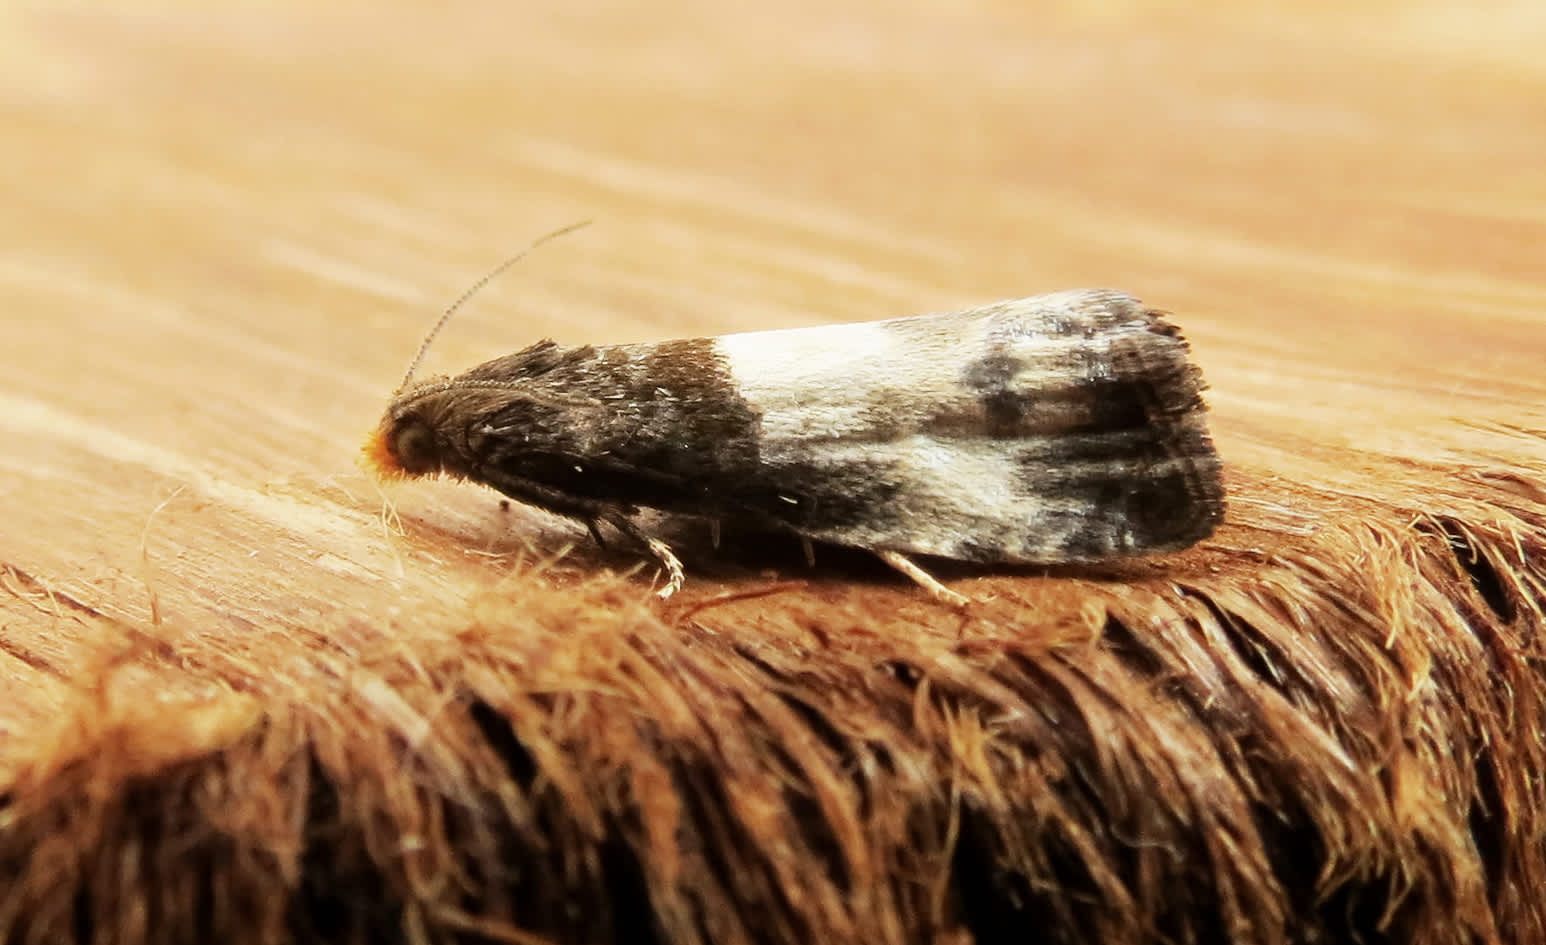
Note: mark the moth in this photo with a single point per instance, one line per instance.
(1061, 428)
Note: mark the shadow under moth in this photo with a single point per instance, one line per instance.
(1062, 428)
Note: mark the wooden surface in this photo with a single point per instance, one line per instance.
(224, 233)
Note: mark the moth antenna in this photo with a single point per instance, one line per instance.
(488, 277)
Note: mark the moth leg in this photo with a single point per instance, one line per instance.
(923, 578)
(673, 565)
(810, 551)
(592, 513)
(659, 550)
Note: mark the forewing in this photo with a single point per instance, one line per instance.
(1060, 428)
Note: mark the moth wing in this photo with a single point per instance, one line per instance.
(1067, 427)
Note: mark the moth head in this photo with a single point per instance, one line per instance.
(432, 428)
(407, 442)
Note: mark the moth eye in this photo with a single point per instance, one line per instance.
(413, 443)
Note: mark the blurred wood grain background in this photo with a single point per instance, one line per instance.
(223, 231)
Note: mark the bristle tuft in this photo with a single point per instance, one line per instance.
(376, 456)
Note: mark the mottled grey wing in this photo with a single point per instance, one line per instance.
(1067, 427)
